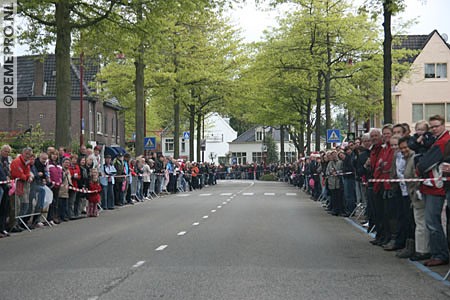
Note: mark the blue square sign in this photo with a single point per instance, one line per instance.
(150, 143)
(333, 136)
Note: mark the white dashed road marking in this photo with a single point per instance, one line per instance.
(183, 195)
(291, 194)
(161, 248)
(181, 233)
(138, 264)
(224, 203)
(213, 211)
(219, 206)
(269, 194)
(248, 194)
(203, 195)
(195, 224)
(226, 194)
(205, 217)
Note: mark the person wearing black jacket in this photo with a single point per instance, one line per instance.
(83, 183)
(349, 180)
(37, 186)
(362, 153)
(4, 201)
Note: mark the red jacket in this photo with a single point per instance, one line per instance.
(75, 169)
(433, 190)
(20, 169)
(94, 197)
(383, 167)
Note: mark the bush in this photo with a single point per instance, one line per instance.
(268, 177)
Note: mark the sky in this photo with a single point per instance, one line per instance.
(430, 15)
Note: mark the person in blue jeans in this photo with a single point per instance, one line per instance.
(107, 182)
(434, 193)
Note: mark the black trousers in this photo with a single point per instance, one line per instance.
(4, 208)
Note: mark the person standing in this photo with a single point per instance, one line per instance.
(55, 179)
(75, 176)
(433, 192)
(94, 194)
(20, 171)
(4, 189)
(120, 180)
(64, 190)
(5, 200)
(107, 182)
(334, 168)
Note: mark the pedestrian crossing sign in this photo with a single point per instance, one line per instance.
(333, 136)
(150, 143)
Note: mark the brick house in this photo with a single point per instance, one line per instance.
(36, 94)
(425, 90)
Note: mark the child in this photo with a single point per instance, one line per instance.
(421, 141)
(94, 194)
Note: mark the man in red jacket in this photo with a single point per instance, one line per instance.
(433, 192)
(20, 170)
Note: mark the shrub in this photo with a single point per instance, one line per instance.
(268, 177)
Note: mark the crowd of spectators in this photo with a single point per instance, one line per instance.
(400, 179)
(56, 186)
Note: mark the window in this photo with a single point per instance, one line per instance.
(436, 70)
(241, 157)
(448, 112)
(99, 122)
(169, 145)
(112, 126)
(183, 145)
(91, 118)
(257, 157)
(259, 136)
(417, 111)
(434, 109)
(290, 157)
(105, 123)
(422, 111)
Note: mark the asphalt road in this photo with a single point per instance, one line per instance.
(235, 240)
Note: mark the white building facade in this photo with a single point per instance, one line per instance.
(217, 135)
(249, 147)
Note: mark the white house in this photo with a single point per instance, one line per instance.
(217, 134)
(249, 147)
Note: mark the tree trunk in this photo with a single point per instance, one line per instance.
(387, 59)
(318, 111)
(176, 120)
(191, 131)
(199, 135)
(282, 155)
(140, 101)
(308, 127)
(63, 133)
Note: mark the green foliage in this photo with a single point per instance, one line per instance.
(34, 138)
(272, 154)
(268, 177)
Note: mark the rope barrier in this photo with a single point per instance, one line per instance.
(411, 179)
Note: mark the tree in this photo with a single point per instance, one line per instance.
(60, 18)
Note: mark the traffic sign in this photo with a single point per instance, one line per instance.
(150, 143)
(186, 135)
(351, 136)
(333, 136)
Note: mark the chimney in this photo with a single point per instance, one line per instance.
(38, 78)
